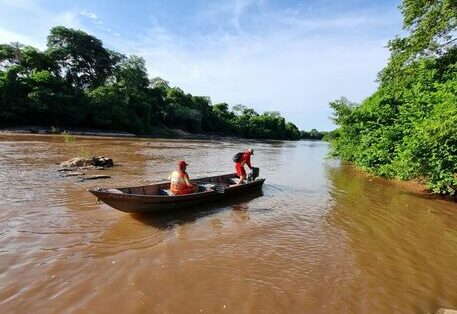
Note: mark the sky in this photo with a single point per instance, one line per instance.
(271, 55)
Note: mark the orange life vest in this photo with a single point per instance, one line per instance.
(178, 183)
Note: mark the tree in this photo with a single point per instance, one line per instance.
(431, 31)
(10, 53)
(132, 74)
(78, 82)
(82, 59)
(292, 132)
(407, 128)
(273, 114)
(239, 109)
(158, 82)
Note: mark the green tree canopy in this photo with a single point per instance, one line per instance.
(407, 128)
(77, 82)
(82, 59)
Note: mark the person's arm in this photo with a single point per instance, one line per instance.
(248, 161)
(186, 179)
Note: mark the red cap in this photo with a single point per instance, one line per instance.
(182, 164)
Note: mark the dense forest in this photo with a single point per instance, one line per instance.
(314, 135)
(408, 128)
(76, 82)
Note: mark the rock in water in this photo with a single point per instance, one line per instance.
(100, 161)
(77, 162)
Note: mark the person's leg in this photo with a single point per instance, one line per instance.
(190, 189)
(239, 170)
(193, 188)
(242, 176)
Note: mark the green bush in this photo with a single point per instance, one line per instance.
(408, 128)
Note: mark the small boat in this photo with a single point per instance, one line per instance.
(156, 197)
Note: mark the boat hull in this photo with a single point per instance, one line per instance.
(144, 200)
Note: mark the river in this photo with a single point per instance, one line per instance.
(323, 238)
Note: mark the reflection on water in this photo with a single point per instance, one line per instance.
(168, 220)
(405, 247)
(321, 238)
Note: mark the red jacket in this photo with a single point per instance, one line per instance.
(245, 159)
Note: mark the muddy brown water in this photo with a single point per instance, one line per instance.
(322, 238)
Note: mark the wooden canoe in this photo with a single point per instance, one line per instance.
(155, 198)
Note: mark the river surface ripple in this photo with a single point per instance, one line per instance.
(322, 238)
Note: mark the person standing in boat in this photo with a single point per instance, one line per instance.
(242, 159)
(179, 180)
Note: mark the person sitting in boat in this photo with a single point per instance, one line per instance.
(242, 159)
(179, 180)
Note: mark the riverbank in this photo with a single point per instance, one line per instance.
(159, 133)
(413, 187)
(74, 131)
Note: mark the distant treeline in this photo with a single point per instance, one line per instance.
(408, 128)
(76, 82)
(313, 135)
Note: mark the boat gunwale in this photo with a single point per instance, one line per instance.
(158, 196)
(150, 196)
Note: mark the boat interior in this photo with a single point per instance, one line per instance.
(217, 183)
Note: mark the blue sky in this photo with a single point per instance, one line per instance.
(288, 56)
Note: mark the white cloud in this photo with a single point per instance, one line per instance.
(16, 3)
(292, 61)
(68, 19)
(92, 16)
(286, 69)
(34, 32)
(231, 10)
(8, 36)
(89, 14)
(98, 22)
